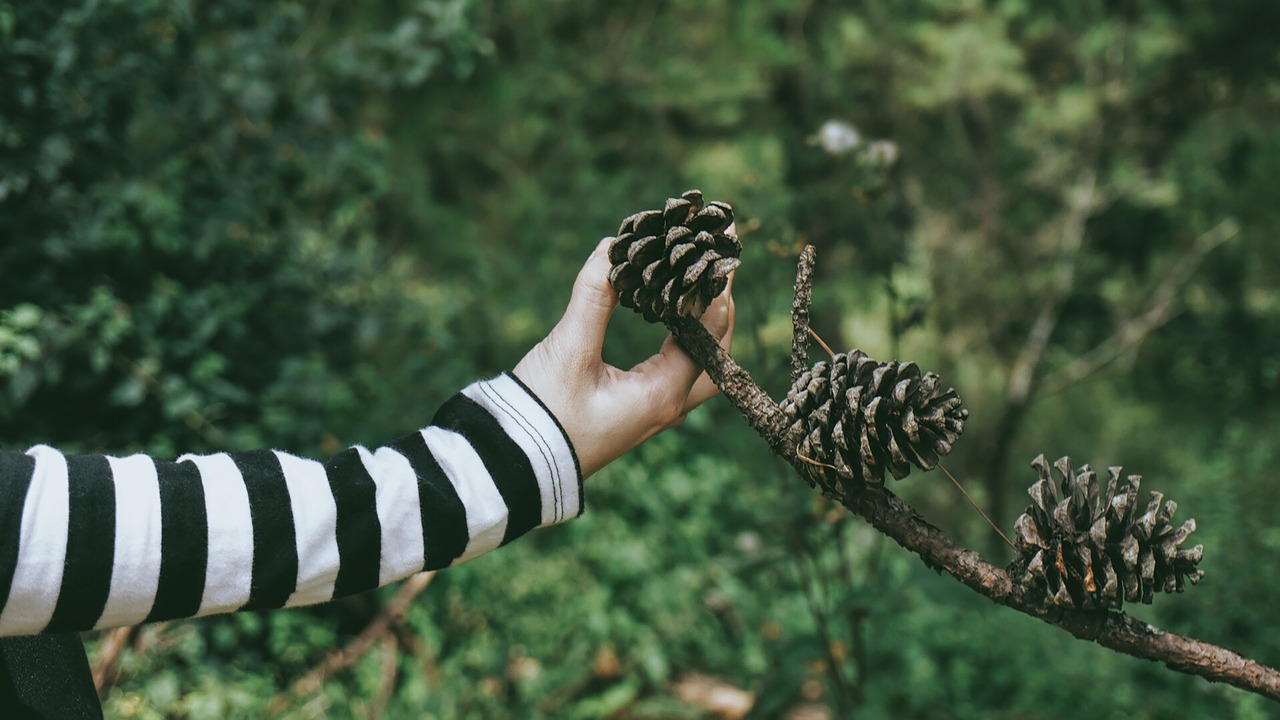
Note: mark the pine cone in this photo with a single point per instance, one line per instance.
(857, 417)
(673, 263)
(1085, 547)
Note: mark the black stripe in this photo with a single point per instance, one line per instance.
(544, 448)
(358, 529)
(184, 541)
(444, 517)
(47, 676)
(506, 462)
(275, 546)
(91, 541)
(16, 470)
(577, 466)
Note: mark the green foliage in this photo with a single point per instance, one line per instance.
(236, 224)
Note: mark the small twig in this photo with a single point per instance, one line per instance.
(857, 630)
(826, 348)
(800, 312)
(817, 598)
(1082, 203)
(349, 654)
(195, 420)
(975, 505)
(1159, 309)
(390, 653)
(811, 461)
(106, 668)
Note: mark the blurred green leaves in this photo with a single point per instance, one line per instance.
(239, 224)
(973, 57)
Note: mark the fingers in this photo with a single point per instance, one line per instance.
(719, 321)
(670, 382)
(703, 390)
(590, 306)
(673, 371)
(719, 317)
(676, 373)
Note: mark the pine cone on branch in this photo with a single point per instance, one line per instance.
(853, 417)
(673, 262)
(1086, 547)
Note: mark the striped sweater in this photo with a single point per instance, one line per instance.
(92, 541)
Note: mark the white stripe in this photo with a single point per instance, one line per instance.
(229, 574)
(521, 431)
(315, 522)
(42, 546)
(135, 569)
(486, 511)
(535, 431)
(398, 512)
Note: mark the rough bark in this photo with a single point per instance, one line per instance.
(893, 517)
(755, 405)
(800, 313)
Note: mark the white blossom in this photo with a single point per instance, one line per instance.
(838, 137)
(883, 153)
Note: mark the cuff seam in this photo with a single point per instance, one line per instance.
(577, 466)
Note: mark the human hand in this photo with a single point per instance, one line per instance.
(604, 410)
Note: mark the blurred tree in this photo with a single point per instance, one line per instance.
(233, 224)
(1057, 233)
(193, 241)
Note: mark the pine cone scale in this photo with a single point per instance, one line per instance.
(861, 418)
(673, 262)
(1107, 550)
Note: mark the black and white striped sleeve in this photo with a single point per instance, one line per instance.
(94, 541)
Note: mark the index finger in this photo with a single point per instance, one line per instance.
(592, 303)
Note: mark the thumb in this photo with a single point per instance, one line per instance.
(591, 305)
(719, 321)
(719, 316)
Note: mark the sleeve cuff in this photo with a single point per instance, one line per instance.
(528, 422)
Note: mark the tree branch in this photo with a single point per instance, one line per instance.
(106, 668)
(390, 655)
(346, 656)
(1159, 310)
(1081, 204)
(896, 519)
(760, 411)
(1082, 201)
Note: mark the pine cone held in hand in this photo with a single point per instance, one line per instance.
(861, 417)
(1086, 547)
(674, 262)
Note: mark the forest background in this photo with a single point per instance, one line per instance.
(237, 224)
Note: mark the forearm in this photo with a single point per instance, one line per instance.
(95, 541)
